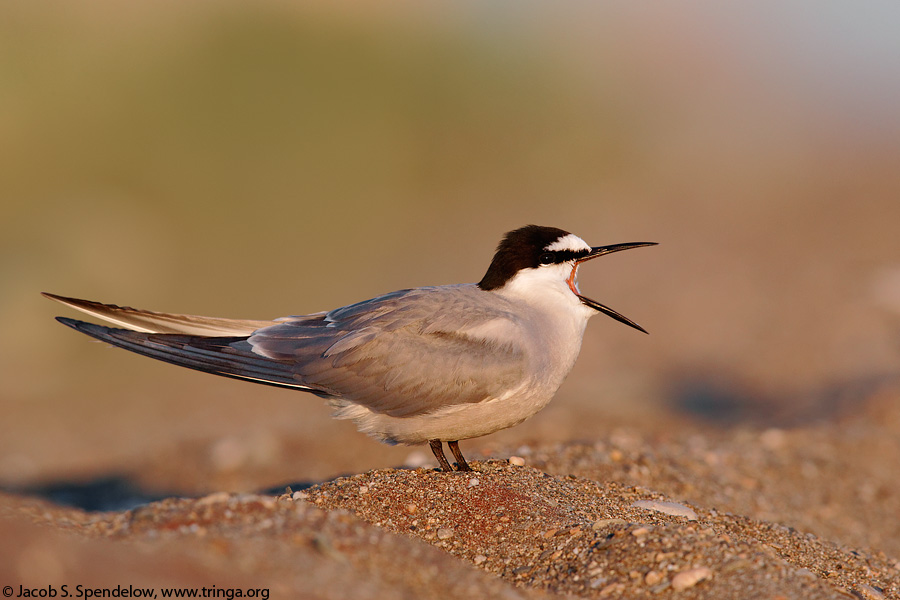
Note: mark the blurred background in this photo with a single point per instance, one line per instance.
(262, 159)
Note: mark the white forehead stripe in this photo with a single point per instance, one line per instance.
(568, 242)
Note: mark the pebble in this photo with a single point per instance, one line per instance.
(474, 482)
(299, 496)
(613, 589)
(267, 502)
(517, 461)
(690, 578)
(743, 564)
(869, 593)
(601, 523)
(214, 498)
(640, 531)
(444, 533)
(668, 508)
(653, 577)
(479, 558)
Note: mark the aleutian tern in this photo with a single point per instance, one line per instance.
(430, 364)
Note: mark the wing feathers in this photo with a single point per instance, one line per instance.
(403, 354)
(155, 322)
(218, 356)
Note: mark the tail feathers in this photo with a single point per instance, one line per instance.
(155, 322)
(225, 356)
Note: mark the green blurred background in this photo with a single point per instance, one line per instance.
(261, 159)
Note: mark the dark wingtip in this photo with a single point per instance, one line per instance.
(73, 323)
(91, 329)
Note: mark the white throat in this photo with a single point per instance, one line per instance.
(545, 288)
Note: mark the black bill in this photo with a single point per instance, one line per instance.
(602, 251)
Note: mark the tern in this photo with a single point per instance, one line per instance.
(415, 366)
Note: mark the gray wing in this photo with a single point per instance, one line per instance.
(405, 353)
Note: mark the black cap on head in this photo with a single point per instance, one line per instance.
(519, 249)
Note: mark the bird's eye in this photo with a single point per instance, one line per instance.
(547, 258)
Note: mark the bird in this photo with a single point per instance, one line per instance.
(415, 366)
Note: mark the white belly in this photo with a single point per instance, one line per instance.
(457, 422)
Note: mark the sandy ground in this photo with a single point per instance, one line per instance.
(765, 513)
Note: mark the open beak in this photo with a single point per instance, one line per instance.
(602, 251)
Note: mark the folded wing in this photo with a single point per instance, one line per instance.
(402, 354)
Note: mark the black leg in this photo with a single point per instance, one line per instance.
(461, 464)
(438, 450)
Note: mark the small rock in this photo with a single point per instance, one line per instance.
(363, 490)
(640, 531)
(479, 558)
(411, 509)
(613, 588)
(299, 496)
(653, 577)
(869, 593)
(601, 523)
(517, 461)
(214, 498)
(444, 533)
(690, 578)
(661, 556)
(598, 582)
(473, 482)
(550, 533)
(668, 508)
(743, 564)
(268, 502)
